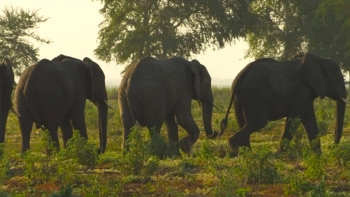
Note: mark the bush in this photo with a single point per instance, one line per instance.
(139, 157)
(79, 149)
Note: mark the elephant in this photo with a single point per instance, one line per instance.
(6, 87)
(53, 94)
(267, 90)
(154, 91)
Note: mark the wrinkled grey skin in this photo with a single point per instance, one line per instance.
(270, 90)
(53, 93)
(6, 86)
(155, 91)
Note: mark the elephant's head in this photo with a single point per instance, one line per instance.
(326, 79)
(204, 95)
(98, 95)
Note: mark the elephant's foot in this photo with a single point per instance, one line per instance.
(185, 144)
(235, 142)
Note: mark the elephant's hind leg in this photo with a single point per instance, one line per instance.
(67, 130)
(25, 124)
(256, 117)
(54, 137)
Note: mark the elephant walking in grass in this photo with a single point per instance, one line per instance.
(270, 90)
(53, 93)
(6, 86)
(155, 91)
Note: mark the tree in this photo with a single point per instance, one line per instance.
(133, 29)
(333, 38)
(16, 33)
(282, 32)
(288, 26)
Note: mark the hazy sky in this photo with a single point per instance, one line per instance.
(73, 29)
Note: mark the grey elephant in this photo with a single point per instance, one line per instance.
(267, 90)
(6, 86)
(155, 91)
(53, 93)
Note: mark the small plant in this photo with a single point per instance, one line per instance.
(138, 157)
(341, 154)
(257, 168)
(161, 147)
(3, 194)
(293, 149)
(65, 191)
(4, 163)
(78, 148)
(315, 166)
(41, 167)
(229, 187)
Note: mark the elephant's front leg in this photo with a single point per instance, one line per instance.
(290, 128)
(310, 125)
(187, 122)
(78, 119)
(173, 134)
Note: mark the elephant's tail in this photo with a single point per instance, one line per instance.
(224, 121)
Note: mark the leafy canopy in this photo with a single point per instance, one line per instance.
(289, 26)
(133, 29)
(17, 32)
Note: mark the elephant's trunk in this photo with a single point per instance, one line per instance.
(207, 111)
(340, 120)
(102, 116)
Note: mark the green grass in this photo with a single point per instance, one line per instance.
(206, 171)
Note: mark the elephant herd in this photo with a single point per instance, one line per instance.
(52, 94)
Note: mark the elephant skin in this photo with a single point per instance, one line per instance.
(155, 91)
(267, 90)
(6, 87)
(53, 93)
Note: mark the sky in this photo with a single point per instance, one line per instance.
(73, 29)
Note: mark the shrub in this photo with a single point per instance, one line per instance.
(138, 158)
(257, 168)
(79, 149)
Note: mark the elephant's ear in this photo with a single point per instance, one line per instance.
(311, 70)
(195, 67)
(90, 77)
(7, 62)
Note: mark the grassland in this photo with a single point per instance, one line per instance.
(79, 171)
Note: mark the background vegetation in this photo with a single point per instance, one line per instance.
(207, 171)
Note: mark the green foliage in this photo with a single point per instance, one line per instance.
(204, 172)
(4, 163)
(133, 29)
(229, 184)
(78, 148)
(289, 26)
(257, 168)
(17, 27)
(161, 147)
(294, 149)
(65, 191)
(139, 157)
(315, 167)
(341, 154)
(41, 167)
(3, 194)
